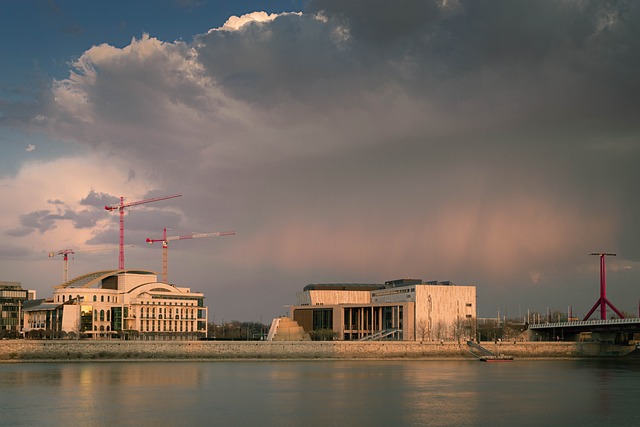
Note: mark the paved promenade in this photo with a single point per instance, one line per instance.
(45, 350)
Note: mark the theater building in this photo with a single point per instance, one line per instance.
(404, 309)
(129, 304)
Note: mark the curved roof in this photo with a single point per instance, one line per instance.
(159, 287)
(94, 280)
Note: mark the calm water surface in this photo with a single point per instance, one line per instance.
(322, 393)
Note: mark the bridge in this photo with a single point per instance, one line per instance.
(612, 330)
(615, 331)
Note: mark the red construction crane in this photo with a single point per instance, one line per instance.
(165, 244)
(120, 208)
(603, 302)
(65, 258)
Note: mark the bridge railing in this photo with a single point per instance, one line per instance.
(626, 321)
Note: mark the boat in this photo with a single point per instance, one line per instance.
(496, 358)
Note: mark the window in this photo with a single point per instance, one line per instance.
(101, 298)
(95, 298)
(102, 315)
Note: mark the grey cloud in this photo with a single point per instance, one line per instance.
(99, 200)
(84, 219)
(519, 119)
(380, 22)
(42, 220)
(292, 57)
(19, 232)
(14, 252)
(45, 220)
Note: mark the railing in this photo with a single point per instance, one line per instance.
(626, 321)
(379, 335)
(475, 346)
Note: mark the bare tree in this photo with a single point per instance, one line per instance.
(440, 330)
(471, 327)
(422, 329)
(458, 326)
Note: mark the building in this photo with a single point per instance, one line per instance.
(12, 298)
(129, 304)
(404, 309)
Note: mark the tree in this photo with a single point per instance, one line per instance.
(236, 330)
(323, 335)
(422, 329)
(463, 328)
(440, 330)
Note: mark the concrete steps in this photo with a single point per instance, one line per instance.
(286, 329)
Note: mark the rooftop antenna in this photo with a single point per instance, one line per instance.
(603, 301)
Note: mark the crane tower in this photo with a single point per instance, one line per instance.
(120, 209)
(65, 258)
(165, 245)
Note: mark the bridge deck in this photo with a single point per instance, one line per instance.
(585, 324)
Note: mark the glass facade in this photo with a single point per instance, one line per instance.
(322, 319)
(116, 318)
(12, 297)
(86, 318)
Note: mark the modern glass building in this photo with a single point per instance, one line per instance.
(403, 309)
(12, 298)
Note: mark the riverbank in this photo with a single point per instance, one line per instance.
(38, 350)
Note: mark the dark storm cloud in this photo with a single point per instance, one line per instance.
(484, 142)
(292, 57)
(544, 57)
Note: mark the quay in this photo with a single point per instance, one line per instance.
(92, 350)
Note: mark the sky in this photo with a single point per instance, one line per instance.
(487, 143)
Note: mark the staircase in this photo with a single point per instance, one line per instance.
(379, 335)
(286, 329)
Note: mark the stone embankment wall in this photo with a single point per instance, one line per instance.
(43, 350)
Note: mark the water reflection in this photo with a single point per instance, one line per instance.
(322, 393)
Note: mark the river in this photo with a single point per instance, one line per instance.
(322, 393)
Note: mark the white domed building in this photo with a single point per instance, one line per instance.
(130, 304)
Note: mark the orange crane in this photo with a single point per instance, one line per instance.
(120, 208)
(65, 258)
(166, 239)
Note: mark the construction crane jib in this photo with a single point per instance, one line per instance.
(165, 245)
(65, 257)
(120, 208)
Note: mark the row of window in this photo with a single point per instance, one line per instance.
(102, 315)
(114, 299)
(166, 303)
(162, 311)
(164, 326)
(94, 298)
